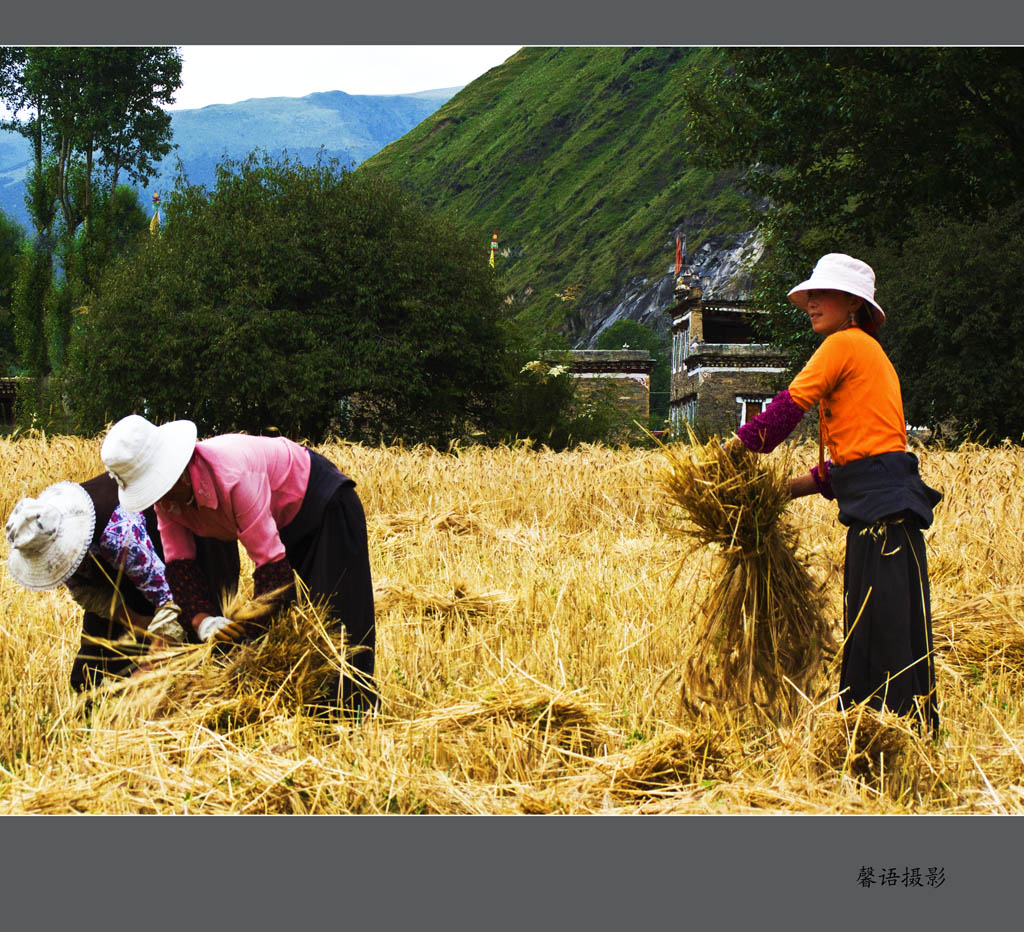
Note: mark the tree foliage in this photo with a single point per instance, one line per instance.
(31, 294)
(955, 330)
(12, 242)
(301, 297)
(88, 112)
(119, 225)
(880, 153)
(852, 137)
(91, 107)
(637, 336)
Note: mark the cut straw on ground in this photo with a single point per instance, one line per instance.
(529, 606)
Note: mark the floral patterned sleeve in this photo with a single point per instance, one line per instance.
(125, 543)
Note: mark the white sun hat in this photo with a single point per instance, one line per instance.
(842, 273)
(145, 460)
(49, 536)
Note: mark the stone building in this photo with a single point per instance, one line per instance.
(627, 371)
(720, 378)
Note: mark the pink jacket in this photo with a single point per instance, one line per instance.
(245, 489)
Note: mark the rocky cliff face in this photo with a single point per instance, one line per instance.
(722, 264)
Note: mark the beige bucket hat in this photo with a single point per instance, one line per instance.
(843, 273)
(145, 460)
(49, 535)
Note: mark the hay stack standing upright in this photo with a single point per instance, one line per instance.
(761, 633)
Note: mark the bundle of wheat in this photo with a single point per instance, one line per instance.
(662, 765)
(988, 628)
(454, 522)
(293, 666)
(761, 634)
(516, 735)
(860, 741)
(389, 596)
(563, 719)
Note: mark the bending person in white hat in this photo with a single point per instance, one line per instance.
(887, 651)
(290, 507)
(110, 559)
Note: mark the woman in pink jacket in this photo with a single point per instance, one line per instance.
(290, 508)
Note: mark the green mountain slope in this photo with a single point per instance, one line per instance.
(578, 157)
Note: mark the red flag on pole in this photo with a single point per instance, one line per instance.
(679, 254)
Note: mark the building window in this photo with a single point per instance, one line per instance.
(751, 406)
(682, 413)
(680, 345)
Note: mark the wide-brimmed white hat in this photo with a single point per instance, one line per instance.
(145, 460)
(50, 535)
(842, 273)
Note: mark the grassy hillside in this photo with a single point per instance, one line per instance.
(578, 157)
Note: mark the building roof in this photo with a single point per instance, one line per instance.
(620, 360)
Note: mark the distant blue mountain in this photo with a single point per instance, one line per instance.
(348, 127)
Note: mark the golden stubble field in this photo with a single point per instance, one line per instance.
(532, 615)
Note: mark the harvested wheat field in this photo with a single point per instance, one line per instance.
(536, 614)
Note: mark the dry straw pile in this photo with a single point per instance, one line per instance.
(760, 634)
(530, 607)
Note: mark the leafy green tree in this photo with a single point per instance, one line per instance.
(852, 137)
(637, 336)
(538, 406)
(546, 406)
(882, 153)
(84, 110)
(32, 286)
(12, 241)
(89, 106)
(304, 298)
(954, 327)
(119, 225)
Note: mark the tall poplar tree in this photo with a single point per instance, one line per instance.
(93, 116)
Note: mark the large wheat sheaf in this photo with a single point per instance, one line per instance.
(760, 635)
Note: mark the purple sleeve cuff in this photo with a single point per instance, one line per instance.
(271, 576)
(824, 483)
(190, 588)
(764, 433)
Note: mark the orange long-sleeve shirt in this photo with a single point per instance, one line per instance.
(858, 395)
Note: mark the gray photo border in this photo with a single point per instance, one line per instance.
(471, 872)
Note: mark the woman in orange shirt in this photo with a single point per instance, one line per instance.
(887, 651)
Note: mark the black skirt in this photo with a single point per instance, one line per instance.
(326, 544)
(888, 657)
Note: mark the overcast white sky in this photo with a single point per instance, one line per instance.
(225, 74)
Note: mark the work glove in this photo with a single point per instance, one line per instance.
(165, 623)
(219, 628)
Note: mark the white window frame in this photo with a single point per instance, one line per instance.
(747, 404)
